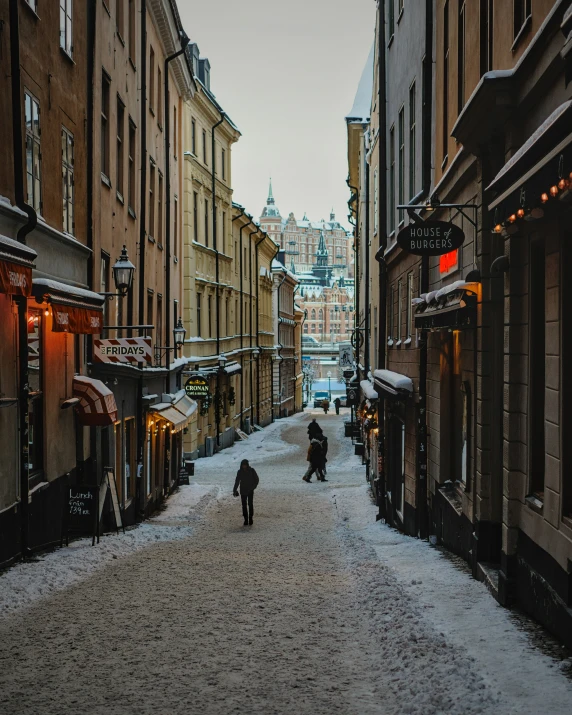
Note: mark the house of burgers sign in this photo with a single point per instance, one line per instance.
(430, 238)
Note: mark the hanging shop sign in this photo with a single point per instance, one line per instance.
(346, 355)
(430, 238)
(77, 320)
(15, 279)
(123, 350)
(197, 388)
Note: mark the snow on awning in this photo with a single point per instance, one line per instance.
(393, 383)
(233, 369)
(453, 306)
(178, 412)
(368, 390)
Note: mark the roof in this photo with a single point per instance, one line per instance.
(361, 110)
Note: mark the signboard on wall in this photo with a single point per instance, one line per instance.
(346, 355)
(197, 387)
(430, 238)
(123, 350)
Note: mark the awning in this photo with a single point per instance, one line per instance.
(453, 307)
(393, 383)
(16, 263)
(178, 412)
(368, 390)
(97, 407)
(234, 369)
(75, 310)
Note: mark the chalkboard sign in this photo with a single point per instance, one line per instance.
(183, 477)
(110, 477)
(82, 512)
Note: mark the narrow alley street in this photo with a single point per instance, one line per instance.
(316, 608)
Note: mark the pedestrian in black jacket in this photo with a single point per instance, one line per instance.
(247, 480)
(324, 441)
(314, 430)
(315, 458)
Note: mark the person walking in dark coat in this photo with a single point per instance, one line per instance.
(314, 430)
(315, 458)
(324, 444)
(247, 480)
(337, 403)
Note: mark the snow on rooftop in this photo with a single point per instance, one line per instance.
(361, 110)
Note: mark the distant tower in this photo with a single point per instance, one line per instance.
(271, 220)
(332, 215)
(320, 269)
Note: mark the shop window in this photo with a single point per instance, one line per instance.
(536, 361)
(130, 465)
(119, 462)
(36, 401)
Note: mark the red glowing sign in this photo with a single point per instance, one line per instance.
(448, 261)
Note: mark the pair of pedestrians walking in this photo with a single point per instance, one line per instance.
(317, 452)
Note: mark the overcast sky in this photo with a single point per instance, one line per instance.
(286, 72)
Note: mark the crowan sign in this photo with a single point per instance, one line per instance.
(123, 350)
(430, 238)
(197, 387)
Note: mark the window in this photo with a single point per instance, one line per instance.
(391, 208)
(175, 136)
(399, 311)
(408, 307)
(151, 79)
(391, 18)
(159, 96)
(67, 181)
(195, 216)
(105, 94)
(120, 17)
(375, 199)
(131, 175)
(176, 228)
(445, 107)
(33, 152)
(35, 381)
(33, 4)
(223, 163)
(223, 231)
(159, 323)
(104, 274)
(66, 29)
(198, 315)
(194, 137)
(537, 367)
(160, 211)
(399, 8)
(521, 15)
(150, 316)
(412, 141)
(206, 222)
(401, 138)
(486, 38)
(120, 158)
(313, 314)
(210, 316)
(129, 447)
(151, 227)
(132, 31)
(205, 147)
(461, 57)
(391, 317)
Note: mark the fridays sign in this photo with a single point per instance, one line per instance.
(123, 350)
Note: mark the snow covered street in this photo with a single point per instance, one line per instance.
(316, 608)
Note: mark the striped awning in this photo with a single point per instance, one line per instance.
(178, 412)
(97, 407)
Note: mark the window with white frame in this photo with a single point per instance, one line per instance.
(399, 311)
(66, 27)
(67, 181)
(33, 152)
(408, 308)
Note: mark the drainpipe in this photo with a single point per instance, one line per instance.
(355, 198)
(258, 329)
(141, 426)
(366, 297)
(422, 487)
(241, 271)
(250, 324)
(382, 223)
(215, 247)
(167, 114)
(21, 301)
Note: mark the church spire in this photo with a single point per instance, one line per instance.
(270, 200)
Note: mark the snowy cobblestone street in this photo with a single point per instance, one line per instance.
(316, 609)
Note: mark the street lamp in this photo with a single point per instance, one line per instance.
(179, 334)
(123, 273)
(330, 384)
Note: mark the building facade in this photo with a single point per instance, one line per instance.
(287, 368)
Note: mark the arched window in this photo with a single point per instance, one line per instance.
(320, 314)
(305, 327)
(313, 314)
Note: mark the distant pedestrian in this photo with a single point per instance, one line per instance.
(337, 403)
(314, 456)
(326, 406)
(247, 480)
(314, 430)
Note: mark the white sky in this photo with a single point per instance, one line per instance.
(286, 72)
